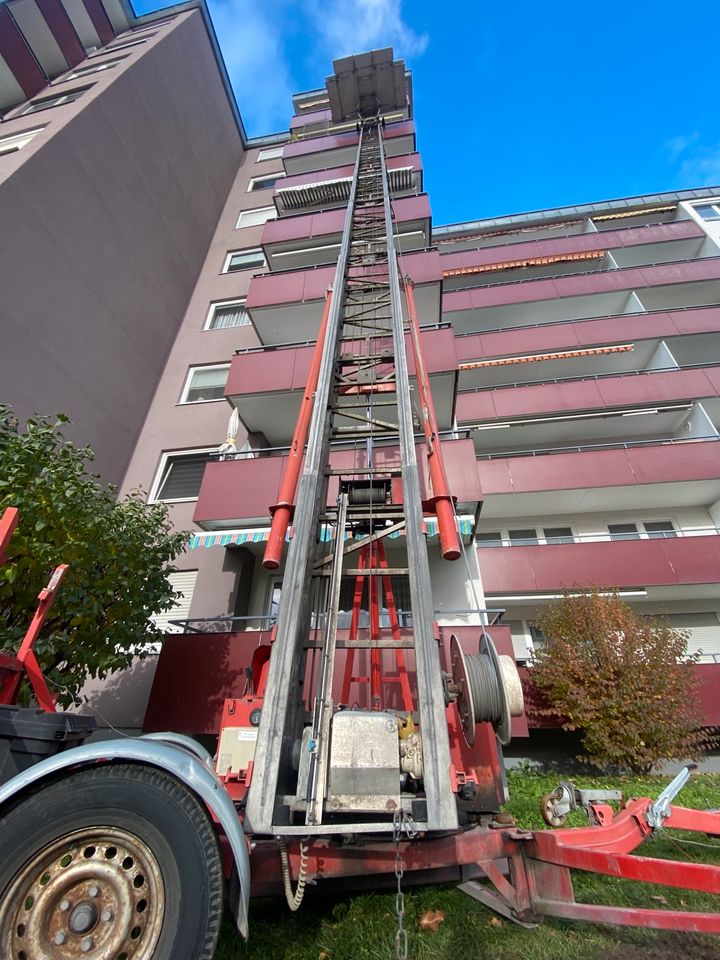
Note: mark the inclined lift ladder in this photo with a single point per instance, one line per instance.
(362, 396)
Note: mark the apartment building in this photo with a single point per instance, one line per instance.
(573, 353)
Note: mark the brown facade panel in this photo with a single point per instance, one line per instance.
(18, 55)
(63, 30)
(100, 20)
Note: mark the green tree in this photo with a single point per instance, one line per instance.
(623, 680)
(120, 555)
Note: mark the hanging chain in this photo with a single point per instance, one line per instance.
(403, 824)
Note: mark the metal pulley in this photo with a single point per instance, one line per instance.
(486, 688)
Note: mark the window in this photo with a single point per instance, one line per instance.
(558, 535)
(491, 538)
(180, 475)
(269, 153)
(265, 183)
(660, 529)
(623, 531)
(17, 141)
(523, 538)
(253, 218)
(205, 383)
(709, 211)
(230, 313)
(127, 43)
(183, 581)
(94, 68)
(55, 101)
(243, 260)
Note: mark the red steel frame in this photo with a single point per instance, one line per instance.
(530, 871)
(12, 668)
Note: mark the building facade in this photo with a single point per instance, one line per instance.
(574, 353)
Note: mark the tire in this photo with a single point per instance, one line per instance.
(118, 861)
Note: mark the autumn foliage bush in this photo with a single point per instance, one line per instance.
(624, 681)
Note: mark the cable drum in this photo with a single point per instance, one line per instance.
(488, 689)
(485, 689)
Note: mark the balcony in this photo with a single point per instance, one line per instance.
(309, 240)
(338, 149)
(607, 293)
(266, 386)
(679, 568)
(669, 475)
(632, 390)
(236, 493)
(410, 162)
(289, 305)
(679, 240)
(591, 332)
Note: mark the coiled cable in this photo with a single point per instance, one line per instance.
(293, 899)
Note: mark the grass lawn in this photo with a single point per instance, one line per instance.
(362, 927)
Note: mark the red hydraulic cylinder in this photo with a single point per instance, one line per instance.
(441, 499)
(283, 510)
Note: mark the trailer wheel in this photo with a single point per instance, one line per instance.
(119, 862)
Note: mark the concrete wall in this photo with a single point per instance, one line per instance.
(112, 209)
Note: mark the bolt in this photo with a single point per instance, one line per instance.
(86, 944)
(106, 915)
(59, 938)
(94, 890)
(64, 905)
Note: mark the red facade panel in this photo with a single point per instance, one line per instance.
(63, 30)
(19, 57)
(100, 20)
(654, 233)
(664, 463)
(272, 371)
(302, 148)
(627, 563)
(660, 387)
(297, 286)
(587, 333)
(311, 225)
(234, 491)
(582, 285)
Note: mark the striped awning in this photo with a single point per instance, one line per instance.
(632, 213)
(334, 191)
(232, 538)
(528, 262)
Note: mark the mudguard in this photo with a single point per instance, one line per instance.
(176, 754)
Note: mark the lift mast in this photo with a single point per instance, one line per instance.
(363, 397)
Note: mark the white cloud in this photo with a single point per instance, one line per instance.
(702, 169)
(344, 27)
(698, 165)
(251, 42)
(676, 146)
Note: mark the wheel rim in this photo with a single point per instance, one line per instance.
(95, 894)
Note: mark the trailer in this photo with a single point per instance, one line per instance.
(351, 754)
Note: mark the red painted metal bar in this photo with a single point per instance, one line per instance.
(354, 623)
(283, 510)
(25, 654)
(400, 663)
(375, 655)
(8, 523)
(630, 916)
(441, 499)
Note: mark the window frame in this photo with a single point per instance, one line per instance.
(275, 176)
(237, 302)
(241, 226)
(276, 152)
(251, 266)
(159, 477)
(670, 534)
(25, 136)
(79, 72)
(627, 535)
(183, 401)
(712, 204)
(57, 100)
(121, 46)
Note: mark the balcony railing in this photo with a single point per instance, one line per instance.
(589, 376)
(595, 447)
(599, 316)
(598, 538)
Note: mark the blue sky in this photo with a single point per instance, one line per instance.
(519, 106)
